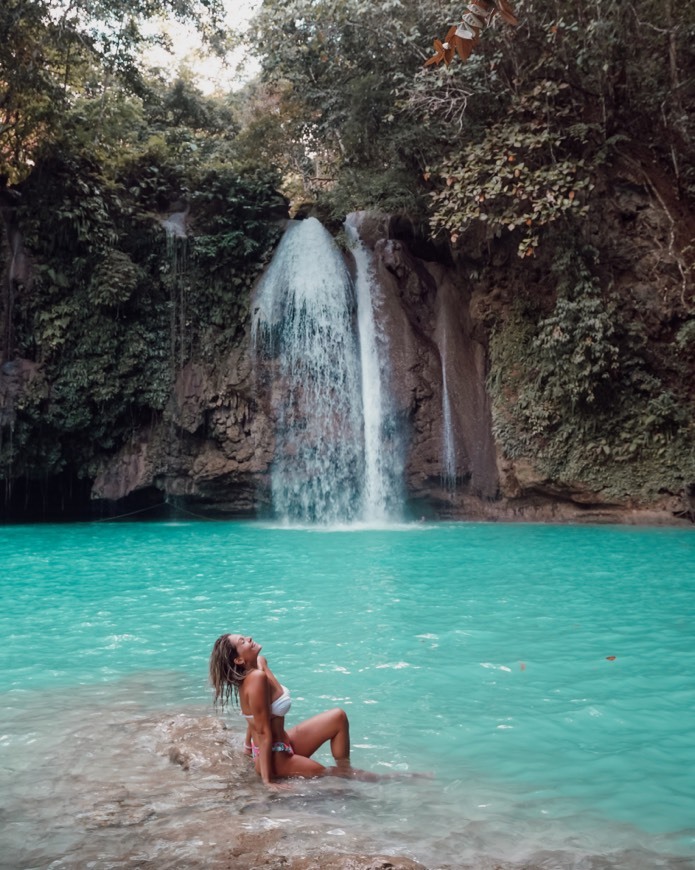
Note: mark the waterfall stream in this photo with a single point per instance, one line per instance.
(177, 253)
(448, 446)
(382, 458)
(303, 318)
(320, 342)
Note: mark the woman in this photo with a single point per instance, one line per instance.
(239, 673)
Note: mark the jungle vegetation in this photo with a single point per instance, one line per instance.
(514, 151)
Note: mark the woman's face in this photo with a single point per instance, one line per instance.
(246, 648)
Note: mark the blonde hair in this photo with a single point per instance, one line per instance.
(225, 674)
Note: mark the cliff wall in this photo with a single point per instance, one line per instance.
(214, 445)
(556, 387)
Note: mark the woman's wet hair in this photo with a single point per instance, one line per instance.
(225, 675)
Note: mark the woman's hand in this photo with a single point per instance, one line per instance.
(278, 786)
(248, 749)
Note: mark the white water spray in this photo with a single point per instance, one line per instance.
(326, 397)
(303, 318)
(382, 459)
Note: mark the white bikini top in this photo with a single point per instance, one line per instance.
(280, 706)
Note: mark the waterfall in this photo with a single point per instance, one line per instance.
(305, 327)
(448, 446)
(303, 318)
(381, 456)
(180, 339)
(177, 252)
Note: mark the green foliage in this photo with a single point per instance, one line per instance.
(88, 321)
(575, 348)
(540, 109)
(63, 69)
(575, 390)
(525, 173)
(234, 238)
(189, 128)
(115, 307)
(512, 139)
(334, 74)
(390, 190)
(541, 115)
(184, 106)
(233, 218)
(685, 339)
(114, 279)
(30, 94)
(152, 176)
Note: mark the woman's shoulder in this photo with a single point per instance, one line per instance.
(255, 687)
(256, 677)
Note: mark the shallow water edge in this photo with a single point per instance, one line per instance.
(108, 782)
(541, 674)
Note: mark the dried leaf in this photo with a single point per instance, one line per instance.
(506, 13)
(464, 47)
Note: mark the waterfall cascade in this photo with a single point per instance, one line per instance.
(448, 436)
(382, 455)
(177, 252)
(328, 465)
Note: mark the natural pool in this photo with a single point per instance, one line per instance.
(542, 674)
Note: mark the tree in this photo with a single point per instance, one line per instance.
(54, 54)
(539, 110)
(336, 68)
(573, 82)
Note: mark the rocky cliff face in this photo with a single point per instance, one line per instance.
(214, 447)
(211, 450)
(644, 273)
(425, 311)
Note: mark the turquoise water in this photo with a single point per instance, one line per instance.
(542, 676)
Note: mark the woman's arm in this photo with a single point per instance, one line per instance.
(248, 749)
(258, 696)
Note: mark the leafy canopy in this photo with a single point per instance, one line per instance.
(56, 56)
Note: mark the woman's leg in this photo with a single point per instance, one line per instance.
(331, 725)
(286, 765)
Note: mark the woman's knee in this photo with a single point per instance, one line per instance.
(340, 717)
